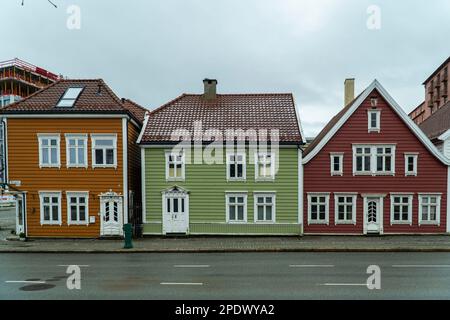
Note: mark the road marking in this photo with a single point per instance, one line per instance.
(25, 281)
(311, 266)
(181, 283)
(343, 284)
(191, 266)
(421, 266)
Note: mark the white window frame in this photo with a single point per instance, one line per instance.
(94, 138)
(55, 136)
(84, 137)
(77, 194)
(255, 209)
(410, 208)
(438, 209)
(235, 162)
(183, 165)
(337, 195)
(373, 159)
(326, 221)
(377, 128)
(272, 166)
(340, 172)
(415, 156)
(50, 194)
(227, 204)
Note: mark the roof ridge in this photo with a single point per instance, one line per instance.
(136, 104)
(167, 104)
(111, 93)
(244, 94)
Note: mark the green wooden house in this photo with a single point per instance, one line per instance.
(222, 164)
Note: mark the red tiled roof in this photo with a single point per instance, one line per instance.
(135, 109)
(96, 97)
(437, 123)
(227, 111)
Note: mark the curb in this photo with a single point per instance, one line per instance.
(258, 250)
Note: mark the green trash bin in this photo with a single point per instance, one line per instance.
(128, 234)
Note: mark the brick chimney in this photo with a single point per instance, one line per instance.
(349, 95)
(210, 92)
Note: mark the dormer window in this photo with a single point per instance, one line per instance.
(69, 97)
(374, 119)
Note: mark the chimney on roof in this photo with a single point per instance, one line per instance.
(349, 94)
(210, 91)
(99, 89)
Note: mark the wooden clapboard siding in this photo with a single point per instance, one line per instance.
(134, 170)
(23, 159)
(431, 178)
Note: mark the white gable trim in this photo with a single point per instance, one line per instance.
(297, 115)
(144, 126)
(414, 128)
(445, 135)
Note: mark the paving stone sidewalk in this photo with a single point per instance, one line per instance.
(239, 244)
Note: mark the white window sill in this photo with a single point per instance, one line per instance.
(410, 174)
(337, 174)
(375, 174)
(318, 222)
(237, 222)
(429, 223)
(342, 222)
(78, 224)
(175, 179)
(236, 179)
(50, 166)
(374, 130)
(408, 223)
(51, 223)
(75, 166)
(106, 166)
(259, 179)
(264, 222)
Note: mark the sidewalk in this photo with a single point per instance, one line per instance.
(238, 244)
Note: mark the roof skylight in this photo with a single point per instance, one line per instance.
(69, 97)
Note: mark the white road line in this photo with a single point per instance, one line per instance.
(191, 266)
(20, 281)
(421, 266)
(311, 266)
(344, 284)
(181, 283)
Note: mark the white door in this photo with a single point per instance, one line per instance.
(373, 215)
(175, 213)
(20, 214)
(111, 216)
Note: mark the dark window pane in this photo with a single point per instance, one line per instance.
(359, 166)
(366, 163)
(99, 157)
(240, 212)
(232, 171)
(55, 213)
(46, 213)
(260, 213)
(232, 213)
(82, 213)
(109, 156)
(175, 205)
(239, 171)
(269, 213)
(388, 163)
(168, 205)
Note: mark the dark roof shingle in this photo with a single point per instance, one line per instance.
(437, 123)
(227, 111)
(96, 97)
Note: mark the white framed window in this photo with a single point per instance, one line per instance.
(374, 120)
(401, 209)
(374, 160)
(175, 166)
(76, 150)
(69, 97)
(337, 164)
(236, 207)
(429, 209)
(265, 204)
(104, 150)
(318, 208)
(49, 154)
(77, 207)
(411, 164)
(265, 166)
(236, 169)
(345, 208)
(50, 205)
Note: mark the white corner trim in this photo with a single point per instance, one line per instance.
(144, 215)
(141, 134)
(125, 168)
(300, 188)
(395, 106)
(448, 200)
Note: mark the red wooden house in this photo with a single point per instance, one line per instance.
(372, 170)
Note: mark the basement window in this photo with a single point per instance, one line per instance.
(69, 97)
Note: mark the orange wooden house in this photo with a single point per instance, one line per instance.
(72, 155)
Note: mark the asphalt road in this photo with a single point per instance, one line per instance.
(226, 276)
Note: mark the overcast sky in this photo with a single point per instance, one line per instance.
(152, 51)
